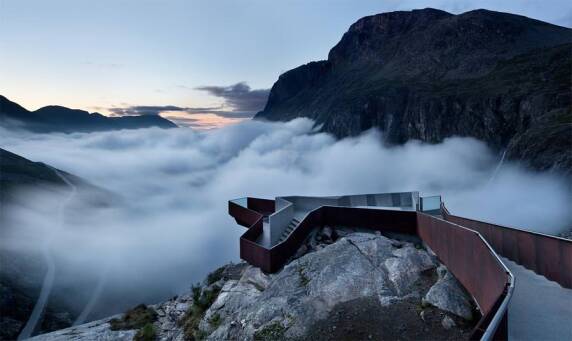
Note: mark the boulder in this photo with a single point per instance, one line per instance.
(448, 323)
(448, 295)
(406, 267)
(308, 288)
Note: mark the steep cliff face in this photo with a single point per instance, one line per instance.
(428, 75)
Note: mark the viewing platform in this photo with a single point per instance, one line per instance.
(470, 249)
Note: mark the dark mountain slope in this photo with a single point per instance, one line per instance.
(61, 119)
(18, 173)
(428, 75)
(22, 182)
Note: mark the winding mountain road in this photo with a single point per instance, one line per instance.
(49, 278)
(94, 299)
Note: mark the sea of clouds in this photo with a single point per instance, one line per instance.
(168, 224)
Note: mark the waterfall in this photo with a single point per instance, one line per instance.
(497, 169)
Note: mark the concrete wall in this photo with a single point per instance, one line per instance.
(403, 200)
(280, 203)
(310, 203)
(358, 200)
(278, 221)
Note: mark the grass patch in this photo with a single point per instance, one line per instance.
(135, 318)
(215, 320)
(272, 331)
(147, 333)
(304, 280)
(216, 275)
(202, 300)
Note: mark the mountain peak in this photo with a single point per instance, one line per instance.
(431, 43)
(398, 21)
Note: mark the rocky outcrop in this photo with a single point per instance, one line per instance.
(360, 276)
(428, 75)
(449, 296)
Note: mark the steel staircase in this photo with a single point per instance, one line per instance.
(293, 224)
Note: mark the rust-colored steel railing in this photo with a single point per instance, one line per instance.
(264, 206)
(250, 250)
(243, 215)
(254, 254)
(375, 219)
(474, 263)
(546, 255)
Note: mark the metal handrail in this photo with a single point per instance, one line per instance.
(501, 311)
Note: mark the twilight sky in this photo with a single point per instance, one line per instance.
(206, 62)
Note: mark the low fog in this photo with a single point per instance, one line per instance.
(168, 224)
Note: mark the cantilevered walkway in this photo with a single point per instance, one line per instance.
(539, 309)
(526, 295)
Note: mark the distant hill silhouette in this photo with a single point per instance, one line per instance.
(61, 119)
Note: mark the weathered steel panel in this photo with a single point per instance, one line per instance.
(264, 206)
(526, 249)
(254, 254)
(548, 256)
(467, 257)
(250, 251)
(566, 263)
(548, 249)
(243, 215)
(375, 219)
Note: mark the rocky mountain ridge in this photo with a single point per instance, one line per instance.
(428, 75)
(56, 118)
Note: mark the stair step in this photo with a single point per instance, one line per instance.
(291, 227)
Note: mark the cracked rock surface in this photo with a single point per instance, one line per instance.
(289, 304)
